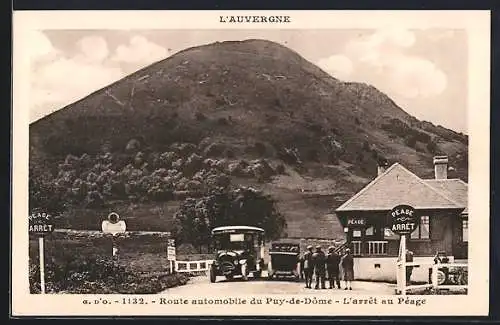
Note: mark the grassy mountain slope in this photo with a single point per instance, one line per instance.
(254, 99)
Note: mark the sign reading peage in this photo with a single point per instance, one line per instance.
(40, 223)
(403, 219)
(356, 222)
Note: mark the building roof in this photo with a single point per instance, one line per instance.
(397, 185)
(454, 188)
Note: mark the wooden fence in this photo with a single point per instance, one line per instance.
(194, 267)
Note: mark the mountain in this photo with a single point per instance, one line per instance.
(254, 99)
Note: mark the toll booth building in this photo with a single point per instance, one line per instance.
(441, 207)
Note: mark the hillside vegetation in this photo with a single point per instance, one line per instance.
(251, 113)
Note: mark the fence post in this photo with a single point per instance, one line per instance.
(42, 264)
(401, 274)
(434, 276)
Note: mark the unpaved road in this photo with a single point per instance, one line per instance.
(223, 287)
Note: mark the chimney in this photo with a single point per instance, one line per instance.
(441, 167)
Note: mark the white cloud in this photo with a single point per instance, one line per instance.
(58, 79)
(140, 50)
(41, 47)
(75, 74)
(381, 59)
(440, 35)
(93, 48)
(63, 80)
(413, 77)
(339, 66)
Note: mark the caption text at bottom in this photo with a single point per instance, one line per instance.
(258, 301)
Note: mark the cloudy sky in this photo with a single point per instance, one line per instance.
(423, 71)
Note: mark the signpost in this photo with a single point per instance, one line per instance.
(403, 223)
(113, 225)
(40, 224)
(171, 253)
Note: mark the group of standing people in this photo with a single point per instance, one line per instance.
(329, 266)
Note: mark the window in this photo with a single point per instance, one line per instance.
(422, 231)
(236, 237)
(356, 233)
(465, 230)
(369, 231)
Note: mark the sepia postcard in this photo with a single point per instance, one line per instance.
(250, 163)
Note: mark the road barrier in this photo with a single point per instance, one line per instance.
(195, 267)
(402, 286)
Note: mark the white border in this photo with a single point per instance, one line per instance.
(477, 25)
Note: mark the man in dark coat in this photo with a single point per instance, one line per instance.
(332, 267)
(308, 266)
(347, 264)
(319, 262)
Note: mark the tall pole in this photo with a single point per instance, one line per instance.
(403, 260)
(42, 264)
(114, 249)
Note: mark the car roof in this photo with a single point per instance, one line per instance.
(236, 228)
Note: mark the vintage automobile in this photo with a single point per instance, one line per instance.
(239, 252)
(450, 274)
(284, 261)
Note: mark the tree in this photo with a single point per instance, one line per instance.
(243, 206)
(44, 195)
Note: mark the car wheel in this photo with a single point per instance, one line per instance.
(213, 276)
(229, 277)
(441, 277)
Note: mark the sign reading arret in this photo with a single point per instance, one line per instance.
(113, 225)
(171, 256)
(403, 219)
(40, 223)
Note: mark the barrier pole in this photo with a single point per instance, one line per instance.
(403, 248)
(401, 274)
(42, 264)
(434, 276)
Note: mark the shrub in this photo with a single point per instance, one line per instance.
(432, 146)
(313, 155)
(333, 158)
(222, 121)
(200, 116)
(98, 275)
(410, 141)
(133, 145)
(214, 149)
(228, 153)
(260, 148)
(280, 169)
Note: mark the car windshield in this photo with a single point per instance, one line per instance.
(234, 241)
